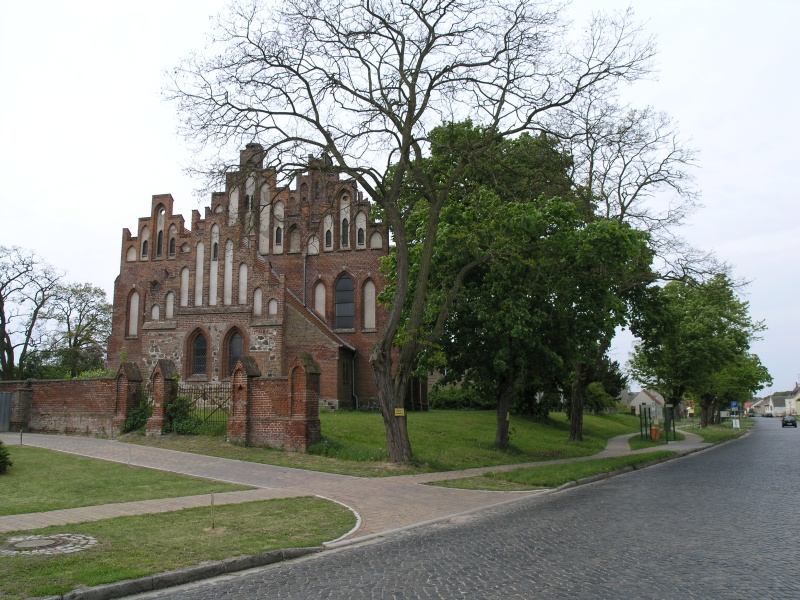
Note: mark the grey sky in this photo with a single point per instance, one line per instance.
(85, 138)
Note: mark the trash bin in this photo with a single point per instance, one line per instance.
(654, 433)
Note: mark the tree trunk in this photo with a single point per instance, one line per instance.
(501, 437)
(391, 395)
(576, 404)
(706, 403)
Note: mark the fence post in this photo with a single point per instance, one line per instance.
(239, 420)
(129, 385)
(306, 429)
(163, 380)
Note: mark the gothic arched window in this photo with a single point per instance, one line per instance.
(199, 349)
(235, 350)
(345, 303)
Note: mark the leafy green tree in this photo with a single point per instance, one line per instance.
(78, 322)
(737, 381)
(366, 83)
(697, 341)
(611, 265)
(537, 284)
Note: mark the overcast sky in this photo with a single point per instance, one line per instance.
(86, 139)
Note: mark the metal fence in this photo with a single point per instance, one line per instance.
(211, 401)
(5, 411)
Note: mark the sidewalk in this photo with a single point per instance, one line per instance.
(381, 504)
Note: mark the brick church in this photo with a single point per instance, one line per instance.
(267, 272)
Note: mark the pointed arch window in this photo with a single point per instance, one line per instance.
(159, 244)
(328, 238)
(172, 247)
(145, 249)
(235, 350)
(345, 233)
(278, 236)
(345, 304)
(215, 251)
(199, 348)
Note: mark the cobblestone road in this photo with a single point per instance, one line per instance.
(718, 524)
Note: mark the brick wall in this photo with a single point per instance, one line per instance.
(71, 406)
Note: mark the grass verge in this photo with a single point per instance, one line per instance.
(131, 547)
(43, 480)
(722, 432)
(637, 443)
(550, 476)
(354, 443)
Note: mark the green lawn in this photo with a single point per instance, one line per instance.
(549, 476)
(354, 443)
(722, 432)
(42, 480)
(130, 547)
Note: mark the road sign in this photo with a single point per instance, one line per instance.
(734, 405)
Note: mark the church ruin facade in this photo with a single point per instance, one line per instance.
(268, 272)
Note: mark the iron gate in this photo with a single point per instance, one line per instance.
(211, 403)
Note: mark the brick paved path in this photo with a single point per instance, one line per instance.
(382, 504)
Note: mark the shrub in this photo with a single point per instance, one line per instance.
(460, 398)
(5, 459)
(180, 417)
(95, 374)
(137, 418)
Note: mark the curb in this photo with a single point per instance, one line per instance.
(184, 575)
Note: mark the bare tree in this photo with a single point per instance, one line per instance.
(634, 166)
(366, 81)
(26, 284)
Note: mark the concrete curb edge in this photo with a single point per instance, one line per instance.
(184, 575)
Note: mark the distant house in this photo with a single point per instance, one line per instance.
(793, 401)
(778, 405)
(772, 406)
(647, 397)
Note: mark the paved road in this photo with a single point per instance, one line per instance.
(717, 524)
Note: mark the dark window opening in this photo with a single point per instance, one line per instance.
(360, 236)
(278, 236)
(159, 243)
(144, 249)
(215, 251)
(345, 306)
(199, 354)
(172, 247)
(328, 238)
(247, 204)
(235, 350)
(345, 232)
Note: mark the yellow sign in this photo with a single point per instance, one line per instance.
(399, 412)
